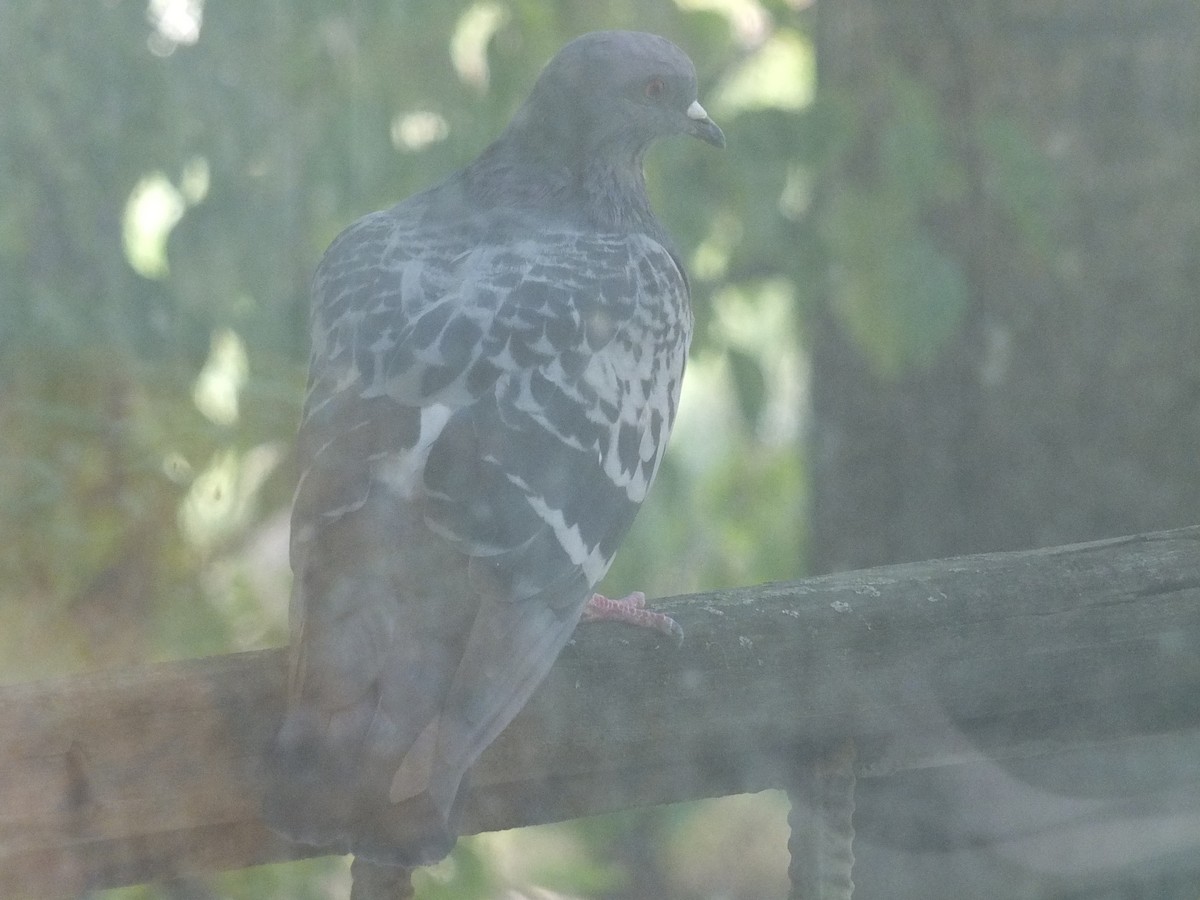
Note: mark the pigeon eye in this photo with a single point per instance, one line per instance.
(654, 88)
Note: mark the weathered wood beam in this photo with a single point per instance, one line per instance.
(121, 777)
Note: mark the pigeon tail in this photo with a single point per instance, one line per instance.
(334, 794)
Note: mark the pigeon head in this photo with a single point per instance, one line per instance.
(610, 94)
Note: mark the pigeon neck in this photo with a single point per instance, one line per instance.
(603, 186)
(617, 193)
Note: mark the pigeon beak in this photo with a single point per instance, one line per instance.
(703, 127)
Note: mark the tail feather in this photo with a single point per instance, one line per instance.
(334, 794)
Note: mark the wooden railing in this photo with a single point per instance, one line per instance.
(128, 776)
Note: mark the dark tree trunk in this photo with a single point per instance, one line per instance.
(1065, 403)
(1033, 376)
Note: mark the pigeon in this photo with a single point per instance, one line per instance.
(496, 366)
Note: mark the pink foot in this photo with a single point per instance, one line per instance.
(632, 610)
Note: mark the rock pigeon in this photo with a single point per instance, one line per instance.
(496, 365)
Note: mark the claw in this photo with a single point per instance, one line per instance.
(630, 609)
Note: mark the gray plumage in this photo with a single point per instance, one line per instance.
(495, 370)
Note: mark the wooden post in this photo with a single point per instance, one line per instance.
(822, 839)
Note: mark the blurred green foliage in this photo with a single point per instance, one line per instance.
(904, 169)
(171, 172)
(898, 293)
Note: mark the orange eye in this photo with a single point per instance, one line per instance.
(654, 88)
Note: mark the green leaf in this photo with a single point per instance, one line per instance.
(898, 295)
(749, 383)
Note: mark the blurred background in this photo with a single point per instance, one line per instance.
(945, 278)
